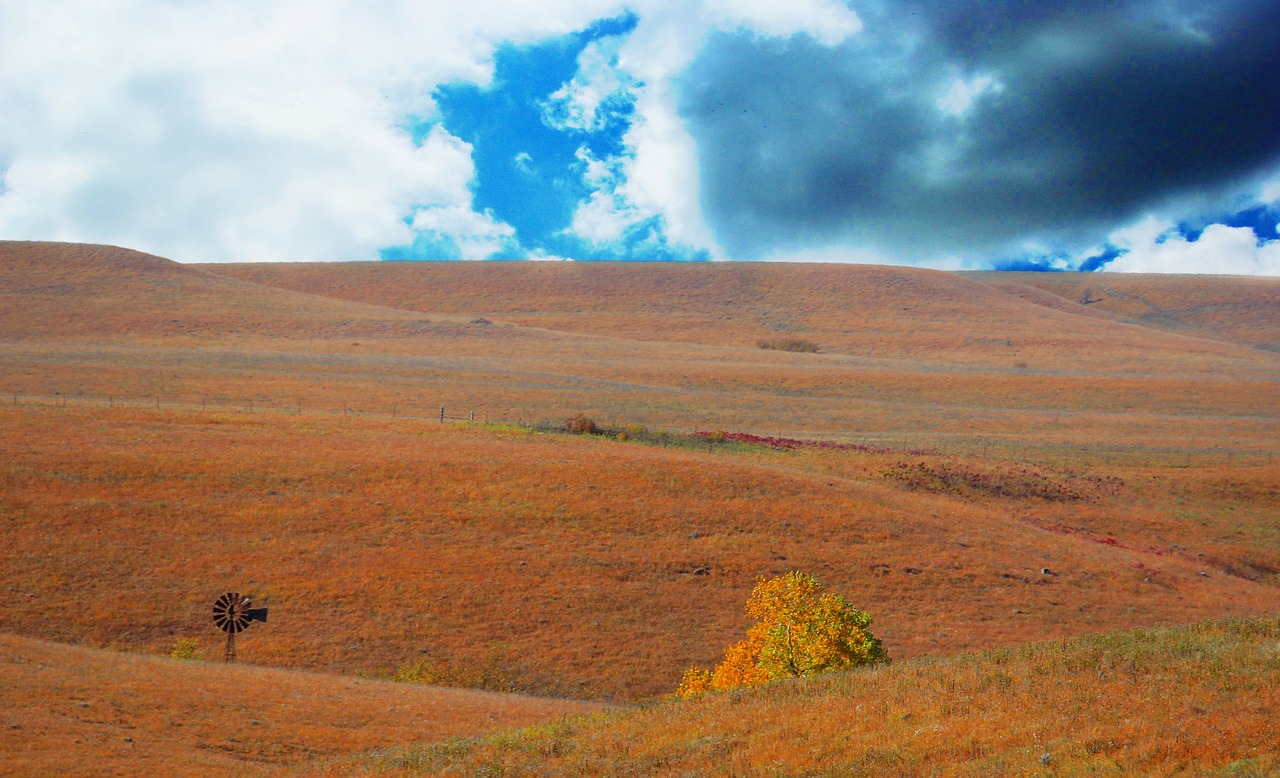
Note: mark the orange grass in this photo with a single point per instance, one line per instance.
(168, 433)
(870, 311)
(1222, 307)
(564, 564)
(916, 358)
(1188, 700)
(76, 711)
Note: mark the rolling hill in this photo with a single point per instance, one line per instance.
(978, 461)
(906, 356)
(1191, 700)
(1228, 308)
(868, 311)
(76, 711)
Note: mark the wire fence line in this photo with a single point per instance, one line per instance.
(1029, 451)
(248, 405)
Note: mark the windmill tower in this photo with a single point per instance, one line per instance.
(232, 613)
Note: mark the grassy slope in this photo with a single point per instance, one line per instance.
(76, 711)
(565, 565)
(1187, 700)
(885, 312)
(1229, 308)
(909, 356)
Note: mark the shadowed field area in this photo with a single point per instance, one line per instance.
(77, 711)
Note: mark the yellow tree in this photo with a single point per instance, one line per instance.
(800, 630)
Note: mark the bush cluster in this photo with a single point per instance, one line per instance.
(584, 425)
(800, 630)
(799, 345)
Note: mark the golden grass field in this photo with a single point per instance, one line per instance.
(170, 432)
(1197, 700)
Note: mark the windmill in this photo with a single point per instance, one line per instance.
(232, 613)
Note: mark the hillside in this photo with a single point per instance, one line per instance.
(867, 311)
(576, 566)
(74, 711)
(1191, 700)
(1228, 308)
(907, 357)
(977, 461)
(75, 293)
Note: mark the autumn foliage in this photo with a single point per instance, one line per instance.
(800, 630)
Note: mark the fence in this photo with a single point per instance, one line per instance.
(248, 405)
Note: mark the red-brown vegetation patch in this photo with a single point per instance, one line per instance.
(1007, 482)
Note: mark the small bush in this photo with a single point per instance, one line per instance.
(800, 630)
(416, 673)
(488, 675)
(186, 648)
(799, 345)
(581, 425)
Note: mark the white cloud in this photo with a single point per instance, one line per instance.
(446, 209)
(576, 105)
(606, 214)
(1271, 191)
(239, 130)
(478, 236)
(827, 21)
(962, 94)
(1152, 246)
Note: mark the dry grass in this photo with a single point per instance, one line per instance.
(270, 429)
(1226, 308)
(911, 358)
(1191, 700)
(76, 711)
(563, 564)
(865, 311)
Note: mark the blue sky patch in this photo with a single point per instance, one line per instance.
(530, 148)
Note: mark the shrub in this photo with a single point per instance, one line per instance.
(185, 648)
(789, 344)
(800, 630)
(581, 425)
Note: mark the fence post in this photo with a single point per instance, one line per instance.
(473, 417)
(442, 415)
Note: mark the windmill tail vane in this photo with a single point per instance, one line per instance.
(233, 613)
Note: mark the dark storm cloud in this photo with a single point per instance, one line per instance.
(1098, 112)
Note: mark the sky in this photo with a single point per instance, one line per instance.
(1126, 135)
